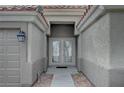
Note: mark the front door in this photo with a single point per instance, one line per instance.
(62, 51)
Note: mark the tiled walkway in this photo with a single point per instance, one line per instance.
(62, 76)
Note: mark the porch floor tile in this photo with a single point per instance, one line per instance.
(62, 76)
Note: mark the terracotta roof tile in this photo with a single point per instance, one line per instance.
(33, 7)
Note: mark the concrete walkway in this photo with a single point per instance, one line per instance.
(62, 76)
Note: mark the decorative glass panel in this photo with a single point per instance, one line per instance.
(56, 51)
(67, 51)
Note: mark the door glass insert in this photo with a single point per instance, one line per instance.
(67, 46)
(56, 51)
(62, 51)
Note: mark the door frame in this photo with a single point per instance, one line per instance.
(73, 52)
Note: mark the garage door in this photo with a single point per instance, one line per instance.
(9, 58)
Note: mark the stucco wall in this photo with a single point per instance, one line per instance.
(36, 51)
(117, 39)
(102, 49)
(94, 57)
(37, 47)
(117, 49)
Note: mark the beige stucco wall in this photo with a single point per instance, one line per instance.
(96, 42)
(94, 55)
(101, 50)
(117, 49)
(36, 52)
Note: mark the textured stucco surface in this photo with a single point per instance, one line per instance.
(117, 39)
(95, 42)
(95, 52)
(37, 51)
(117, 49)
(102, 49)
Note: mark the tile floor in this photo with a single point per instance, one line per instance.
(62, 76)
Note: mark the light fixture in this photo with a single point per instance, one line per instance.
(21, 36)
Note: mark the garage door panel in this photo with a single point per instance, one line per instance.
(13, 85)
(13, 65)
(2, 50)
(2, 71)
(1, 34)
(2, 84)
(9, 58)
(13, 79)
(12, 72)
(1, 43)
(2, 57)
(3, 79)
(13, 49)
(10, 43)
(13, 57)
(3, 64)
(12, 34)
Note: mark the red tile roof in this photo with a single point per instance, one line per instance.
(65, 7)
(21, 8)
(33, 7)
(18, 8)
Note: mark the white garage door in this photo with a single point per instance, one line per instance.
(9, 58)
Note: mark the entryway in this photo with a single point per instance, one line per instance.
(62, 51)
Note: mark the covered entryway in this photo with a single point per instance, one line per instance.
(62, 44)
(49, 37)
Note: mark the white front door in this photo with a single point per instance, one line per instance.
(62, 51)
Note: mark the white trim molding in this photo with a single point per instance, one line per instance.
(32, 17)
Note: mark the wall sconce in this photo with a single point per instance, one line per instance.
(21, 36)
